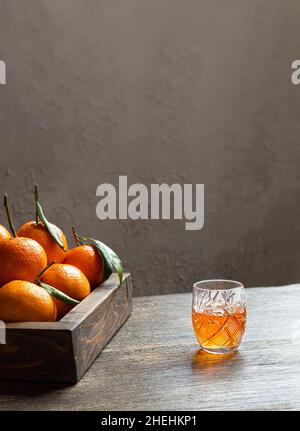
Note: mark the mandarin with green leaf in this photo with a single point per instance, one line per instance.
(20, 258)
(69, 280)
(89, 261)
(40, 233)
(48, 235)
(85, 255)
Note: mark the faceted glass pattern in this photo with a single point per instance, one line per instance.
(219, 315)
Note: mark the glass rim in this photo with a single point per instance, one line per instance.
(233, 284)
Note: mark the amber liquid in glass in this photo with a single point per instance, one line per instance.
(219, 331)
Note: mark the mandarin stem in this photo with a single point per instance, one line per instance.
(44, 270)
(9, 217)
(75, 236)
(36, 197)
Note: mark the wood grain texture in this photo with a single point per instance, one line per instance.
(38, 354)
(63, 351)
(101, 318)
(154, 363)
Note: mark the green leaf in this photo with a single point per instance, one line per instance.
(46, 223)
(58, 294)
(110, 258)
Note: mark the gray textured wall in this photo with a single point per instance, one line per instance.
(162, 91)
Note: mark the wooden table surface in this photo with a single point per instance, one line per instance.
(154, 363)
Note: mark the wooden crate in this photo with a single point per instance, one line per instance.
(62, 351)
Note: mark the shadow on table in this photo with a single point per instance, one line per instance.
(33, 389)
(207, 363)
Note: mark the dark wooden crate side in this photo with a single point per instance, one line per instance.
(101, 320)
(38, 353)
(62, 351)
